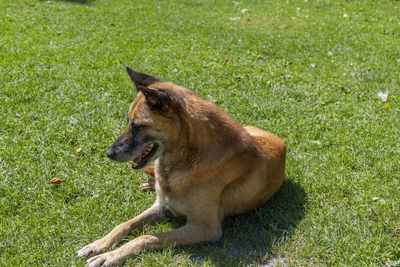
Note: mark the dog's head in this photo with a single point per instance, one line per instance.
(152, 122)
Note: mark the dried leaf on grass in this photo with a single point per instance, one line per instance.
(55, 180)
(373, 212)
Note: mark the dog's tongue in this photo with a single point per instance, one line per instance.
(137, 159)
(144, 153)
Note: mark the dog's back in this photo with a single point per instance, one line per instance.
(264, 177)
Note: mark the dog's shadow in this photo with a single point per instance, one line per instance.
(251, 238)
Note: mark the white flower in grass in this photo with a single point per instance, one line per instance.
(330, 53)
(312, 65)
(236, 18)
(244, 10)
(383, 96)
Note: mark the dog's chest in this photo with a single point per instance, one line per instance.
(169, 189)
(178, 205)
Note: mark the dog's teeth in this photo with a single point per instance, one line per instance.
(149, 148)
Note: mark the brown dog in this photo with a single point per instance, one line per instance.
(207, 166)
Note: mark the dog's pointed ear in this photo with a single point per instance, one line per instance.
(141, 79)
(160, 99)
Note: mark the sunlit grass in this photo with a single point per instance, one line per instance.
(308, 71)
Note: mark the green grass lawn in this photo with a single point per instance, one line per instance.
(308, 71)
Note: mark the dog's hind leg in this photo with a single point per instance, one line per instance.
(155, 214)
(149, 170)
(151, 182)
(148, 185)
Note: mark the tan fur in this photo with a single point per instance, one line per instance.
(210, 167)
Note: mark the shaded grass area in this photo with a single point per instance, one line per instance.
(307, 71)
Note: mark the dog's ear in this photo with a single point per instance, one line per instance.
(160, 99)
(141, 79)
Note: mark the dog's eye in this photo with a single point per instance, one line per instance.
(135, 126)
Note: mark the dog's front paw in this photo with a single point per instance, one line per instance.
(106, 259)
(90, 250)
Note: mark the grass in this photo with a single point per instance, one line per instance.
(308, 71)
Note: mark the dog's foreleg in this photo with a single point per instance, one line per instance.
(151, 216)
(186, 235)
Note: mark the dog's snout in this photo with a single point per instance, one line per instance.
(110, 153)
(119, 149)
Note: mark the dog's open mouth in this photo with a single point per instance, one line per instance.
(145, 156)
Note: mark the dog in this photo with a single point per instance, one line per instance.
(206, 167)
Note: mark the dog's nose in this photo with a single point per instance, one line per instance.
(110, 153)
